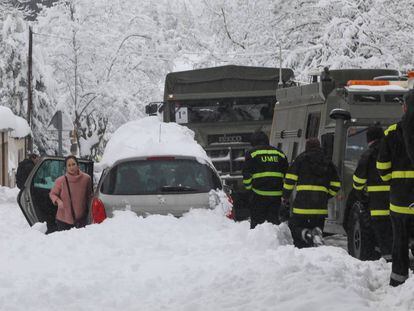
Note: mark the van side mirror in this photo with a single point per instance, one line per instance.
(152, 108)
(341, 114)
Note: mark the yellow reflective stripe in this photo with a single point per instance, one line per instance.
(311, 188)
(288, 187)
(380, 212)
(292, 177)
(332, 193)
(358, 187)
(383, 165)
(267, 152)
(403, 174)
(386, 177)
(248, 187)
(306, 211)
(378, 188)
(335, 184)
(390, 129)
(359, 180)
(267, 192)
(247, 181)
(267, 174)
(402, 209)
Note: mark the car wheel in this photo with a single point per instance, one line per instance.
(361, 239)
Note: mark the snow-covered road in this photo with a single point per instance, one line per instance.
(201, 261)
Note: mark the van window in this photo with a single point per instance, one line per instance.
(312, 125)
(327, 142)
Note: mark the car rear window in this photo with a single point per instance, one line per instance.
(160, 176)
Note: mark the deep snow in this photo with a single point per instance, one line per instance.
(202, 261)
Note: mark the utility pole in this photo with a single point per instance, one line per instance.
(280, 84)
(29, 88)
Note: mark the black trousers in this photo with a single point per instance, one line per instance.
(402, 226)
(383, 234)
(263, 208)
(297, 223)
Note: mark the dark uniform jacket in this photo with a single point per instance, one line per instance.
(263, 171)
(394, 166)
(367, 180)
(316, 180)
(23, 170)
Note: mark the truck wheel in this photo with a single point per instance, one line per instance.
(361, 240)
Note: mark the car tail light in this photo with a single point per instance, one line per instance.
(230, 214)
(229, 198)
(98, 211)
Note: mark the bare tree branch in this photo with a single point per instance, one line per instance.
(228, 32)
(119, 48)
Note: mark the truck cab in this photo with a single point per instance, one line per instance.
(338, 108)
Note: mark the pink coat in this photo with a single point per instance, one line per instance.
(81, 192)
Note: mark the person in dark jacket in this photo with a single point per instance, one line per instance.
(316, 180)
(24, 168)
(373, 192)
(395, 164)
(263, 172)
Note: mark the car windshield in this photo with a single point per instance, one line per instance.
(160, 176)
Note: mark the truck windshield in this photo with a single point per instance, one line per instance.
(226, 110)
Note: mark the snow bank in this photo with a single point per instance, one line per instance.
(151, 137)
(201, 261)
(9, 121)
(8, 195)
(22, 128)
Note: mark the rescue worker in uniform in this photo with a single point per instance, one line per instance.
(316, 180)
(395, 164)
(263, 172)
(373, 192)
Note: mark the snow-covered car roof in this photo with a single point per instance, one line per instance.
(151, 137)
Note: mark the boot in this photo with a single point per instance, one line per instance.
(307, 237)
(317, 236)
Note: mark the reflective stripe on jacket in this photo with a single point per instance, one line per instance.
(394, 165)
(263, 171)
(315, 179)
(366, 181)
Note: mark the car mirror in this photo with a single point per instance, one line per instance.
(227, 189)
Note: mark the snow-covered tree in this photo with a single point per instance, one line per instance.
(13, 76)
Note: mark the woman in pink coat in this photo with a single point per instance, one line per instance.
(71, 194)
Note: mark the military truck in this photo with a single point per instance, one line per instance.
(224, 106)
(338, 106)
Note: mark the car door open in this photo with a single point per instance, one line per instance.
(34, 199)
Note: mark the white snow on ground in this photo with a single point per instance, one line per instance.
(202, 261)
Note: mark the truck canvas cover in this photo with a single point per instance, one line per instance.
(223, 79)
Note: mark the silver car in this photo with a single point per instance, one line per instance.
(154, 185)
